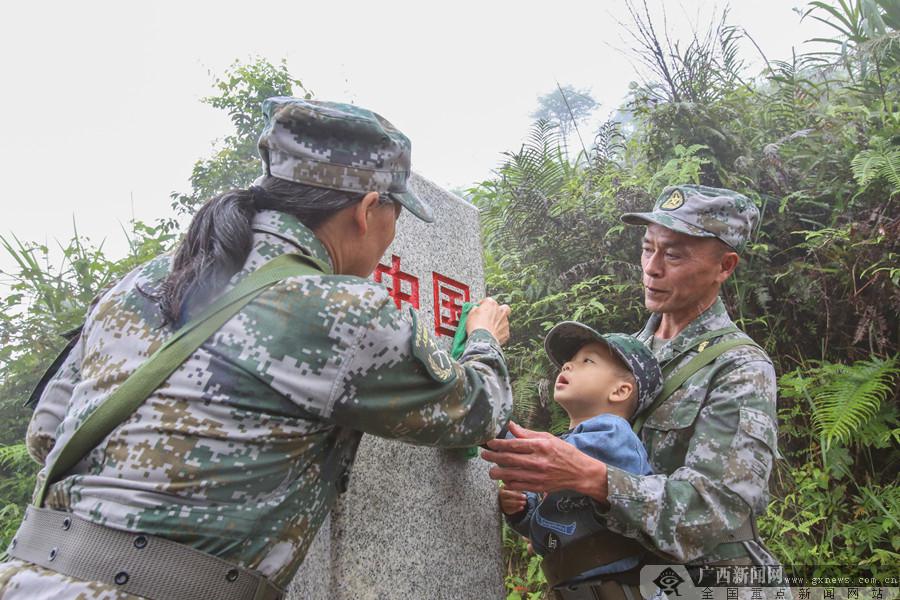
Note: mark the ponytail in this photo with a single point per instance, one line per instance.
(215, 247)
(220, 238)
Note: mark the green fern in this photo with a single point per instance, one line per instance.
(844, 397)
(14, 456)
(879, 162)
(609, 144)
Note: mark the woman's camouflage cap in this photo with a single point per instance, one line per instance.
(337, 146)
(702, 211)
(566, 338)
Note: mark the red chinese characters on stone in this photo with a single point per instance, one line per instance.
(449, 296)
(398, 278)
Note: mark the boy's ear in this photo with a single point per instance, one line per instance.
(622, 392)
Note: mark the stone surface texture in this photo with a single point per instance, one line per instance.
(415, 522)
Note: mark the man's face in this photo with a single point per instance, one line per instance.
(587, 380)
(681, 273)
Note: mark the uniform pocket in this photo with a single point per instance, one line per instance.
(667, 433)
(679, 411)
(750, 459)
(760, 426)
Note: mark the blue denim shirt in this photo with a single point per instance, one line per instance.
(562, 517)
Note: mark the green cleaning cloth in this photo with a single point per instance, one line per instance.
(459, 340)
(459, 346)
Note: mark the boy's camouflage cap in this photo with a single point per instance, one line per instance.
(702, 211)
(566, 338)
(337, 146)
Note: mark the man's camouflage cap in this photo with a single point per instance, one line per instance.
(337, 146)
(702, 211)
(566, 338)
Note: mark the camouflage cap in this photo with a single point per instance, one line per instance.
(702, 211)
(337, 146)
(565, 339)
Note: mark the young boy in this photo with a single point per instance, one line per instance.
(604, 381)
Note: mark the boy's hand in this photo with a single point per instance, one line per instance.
(511, 502)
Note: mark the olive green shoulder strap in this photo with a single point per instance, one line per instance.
(119, 405)
(704, 358)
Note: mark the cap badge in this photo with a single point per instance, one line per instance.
(675, 200)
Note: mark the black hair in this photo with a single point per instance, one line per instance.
(220, 238)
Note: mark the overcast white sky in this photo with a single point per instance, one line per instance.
(100, 100)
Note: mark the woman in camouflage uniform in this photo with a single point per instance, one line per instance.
(242, 451)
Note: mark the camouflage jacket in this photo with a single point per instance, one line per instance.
(711, 444)
(243, 450)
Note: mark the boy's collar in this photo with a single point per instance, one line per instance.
(594, 421)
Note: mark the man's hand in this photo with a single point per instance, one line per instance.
(491, 316)
(511, 503)
(540, 462)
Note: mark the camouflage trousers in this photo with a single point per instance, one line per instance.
(20, 580)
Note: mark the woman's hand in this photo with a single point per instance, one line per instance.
(490, 316)
(539, 462)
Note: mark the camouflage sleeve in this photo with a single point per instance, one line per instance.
(522, 524)
(54, 401)
(51, 407)
(685, 515)
(400, 384)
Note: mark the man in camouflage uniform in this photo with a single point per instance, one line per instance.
(243, 450)
(712, 443)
